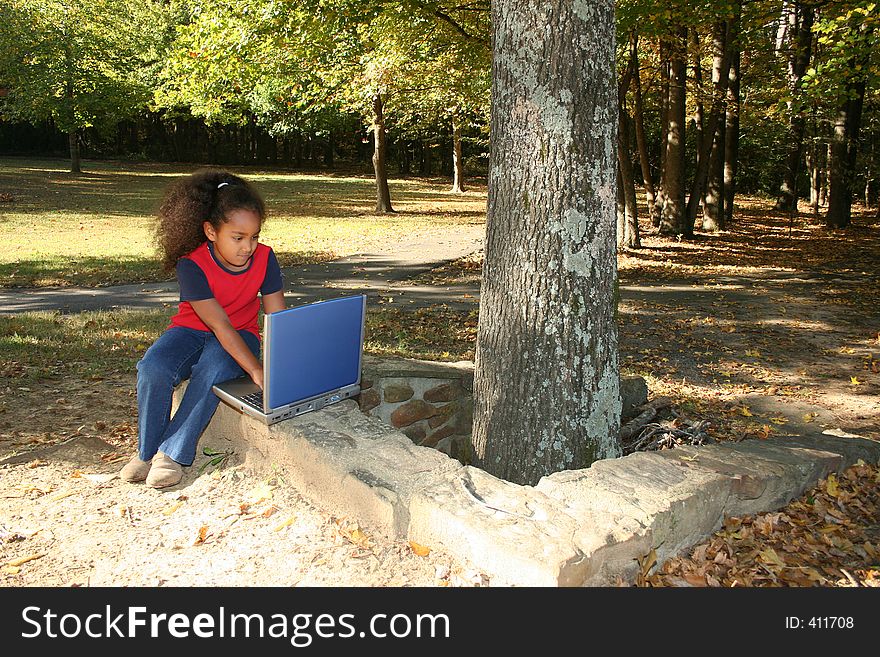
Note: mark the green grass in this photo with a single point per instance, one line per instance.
(36, 346)
(40, 346)
(96, 228)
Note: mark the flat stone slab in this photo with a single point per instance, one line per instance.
(516, 533)
(626, 507)
(340, 459)
(589, 527)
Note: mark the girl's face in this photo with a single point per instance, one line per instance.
(236, 239)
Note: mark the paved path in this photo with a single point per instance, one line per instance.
(378, 275)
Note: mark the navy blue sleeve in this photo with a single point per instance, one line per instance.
(193, 282)
(273, 281)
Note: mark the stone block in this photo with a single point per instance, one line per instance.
(761, 480)
(369, 399)
(625, 507)
(633, 393)
(443, 414)
(516, 534)
(397, 392)
(411, 412)
(341, 460)
(445, 392)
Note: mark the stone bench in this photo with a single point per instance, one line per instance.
(584, 527)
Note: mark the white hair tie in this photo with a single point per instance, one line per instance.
(221, 184)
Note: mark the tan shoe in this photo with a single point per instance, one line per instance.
(164, 472)
(135, 470)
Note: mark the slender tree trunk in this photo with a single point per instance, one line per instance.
(457, 163)
(642, 143)
(699, 109)
(731, 137)
(628, 219)
(546, 383)
(719, 90)
(798, 61)
(73, 142)
(826, 177)
(713, 199)
(816, 165)
(672, 210)
(383, 194)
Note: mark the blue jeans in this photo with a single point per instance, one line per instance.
(180, 354)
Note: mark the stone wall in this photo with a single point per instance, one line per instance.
(432, 403)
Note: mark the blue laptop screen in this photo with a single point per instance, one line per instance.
(315, 349)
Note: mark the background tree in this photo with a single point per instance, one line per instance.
(546, 382)
(75, 62)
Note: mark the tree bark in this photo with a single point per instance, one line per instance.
(798, 61)
(73, 142)
(642, 143)
(628, 216)
(731, 133)
(546, 383)
(672, 210)
(844, 149)
(719, 91)
(457, 163)
(383, 194)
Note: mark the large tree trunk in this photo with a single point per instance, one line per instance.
(799, 59)
(546, 384)
(380, 154)
(457, 164)
(672, 209)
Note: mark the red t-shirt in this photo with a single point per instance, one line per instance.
(238, 293)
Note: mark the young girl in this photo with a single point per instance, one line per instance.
(208, 229)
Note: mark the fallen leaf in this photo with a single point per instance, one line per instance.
(855, 381)
(61, 496)
(809, 417)
(171, 509)
(779, 419)
(831, 486)
(419, 550)
(744, 410)
(269, 511)
(284, 524)
(23, 560)
(203, 533)
(769, 556)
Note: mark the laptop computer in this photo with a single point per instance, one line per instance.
(311, 358)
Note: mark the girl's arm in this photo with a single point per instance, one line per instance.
(274, 302)
(216, 319)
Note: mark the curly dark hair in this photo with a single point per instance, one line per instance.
(206, 195)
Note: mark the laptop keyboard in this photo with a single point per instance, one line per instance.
(254, 399)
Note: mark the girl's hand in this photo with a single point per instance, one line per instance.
(257, 376)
